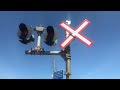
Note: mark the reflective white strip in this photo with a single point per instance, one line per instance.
(55, 52)
(84, 39)
(82, 26)
(67, 27)
(66, 41)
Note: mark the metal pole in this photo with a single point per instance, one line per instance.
(68, 56)
(68, 60)
(54, 65)
(38, 40)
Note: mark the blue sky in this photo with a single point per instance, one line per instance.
(101, 61)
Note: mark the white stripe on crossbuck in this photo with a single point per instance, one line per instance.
(66, 41)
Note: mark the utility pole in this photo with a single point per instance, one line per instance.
(68, 56)
(54, 65)
(68, 60)
(54, 68)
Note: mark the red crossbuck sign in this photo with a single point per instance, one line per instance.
(75, 33)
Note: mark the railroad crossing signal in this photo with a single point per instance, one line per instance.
(75, 33)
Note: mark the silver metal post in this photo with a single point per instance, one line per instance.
(68, 60)
(38, 40)
(68, 56)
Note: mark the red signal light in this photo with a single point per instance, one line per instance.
(24, 32)
(50, 34)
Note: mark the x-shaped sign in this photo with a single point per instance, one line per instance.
(75, 33)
